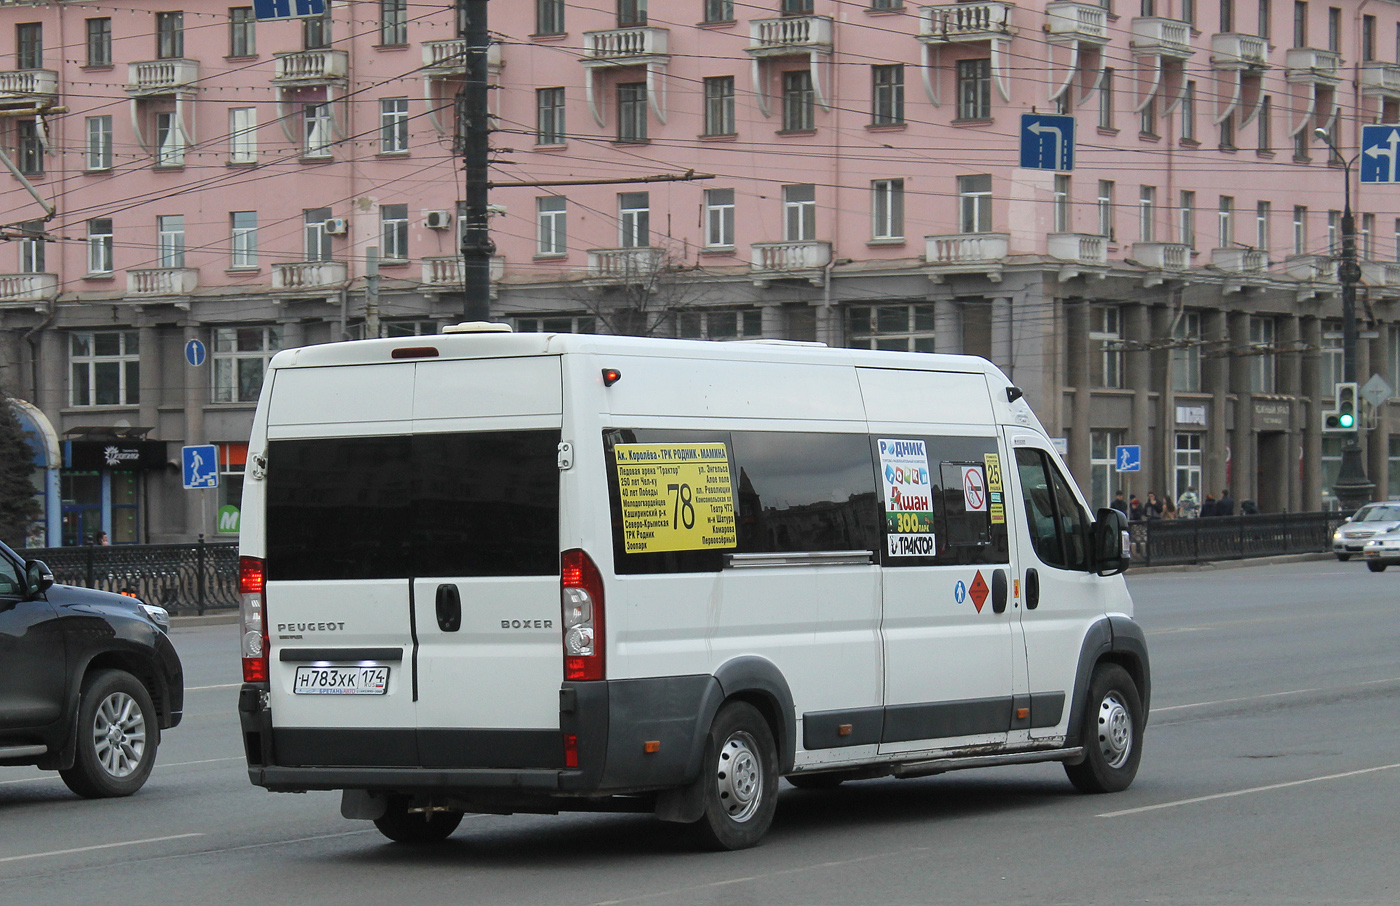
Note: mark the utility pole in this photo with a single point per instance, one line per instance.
(1352, 487)
(474, 122)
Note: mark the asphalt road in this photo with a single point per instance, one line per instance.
(1271, 775)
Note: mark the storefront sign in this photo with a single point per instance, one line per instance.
(1191, 415)
(130, 455)
(1271, 415)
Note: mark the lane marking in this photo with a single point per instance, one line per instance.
(1251, 698)
(1234, 793)
(220, 686)
(173, 764)
(86, 849)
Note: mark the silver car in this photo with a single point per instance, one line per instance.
(1382, 551)
(1371, 520)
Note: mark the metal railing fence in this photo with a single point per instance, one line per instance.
(182, 578)
(1168, 542)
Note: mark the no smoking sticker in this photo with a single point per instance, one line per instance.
(974, 489)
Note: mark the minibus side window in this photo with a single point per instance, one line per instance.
(1057, 524)
(963, 536)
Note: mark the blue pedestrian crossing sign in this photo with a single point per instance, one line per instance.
(1129, 458)
(1047, 142)
(1379, 147)
(263, 10)
(200, 465)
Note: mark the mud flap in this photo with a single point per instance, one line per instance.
(681, 805)
(363, 805)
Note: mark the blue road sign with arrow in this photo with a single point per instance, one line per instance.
(1129, 458)
(263, 10)
(195, 353)
(1047, 142)
(1379, 147)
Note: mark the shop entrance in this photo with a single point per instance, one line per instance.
(1271, 481)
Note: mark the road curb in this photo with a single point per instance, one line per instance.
(205, 619)
(1229, 564)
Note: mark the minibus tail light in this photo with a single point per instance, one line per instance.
(581, 596)
(252, 618)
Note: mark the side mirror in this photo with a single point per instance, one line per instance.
(37, 577)
(1112, 550)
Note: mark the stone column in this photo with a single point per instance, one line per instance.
(1376, 439)
(1243, 442)
(947, 327)
(1311, 392)
(1215, 380)
(1077, 369)
(1290, 383)
(1001, 334)
(1138, 367)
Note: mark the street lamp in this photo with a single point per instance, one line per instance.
(1352, 487)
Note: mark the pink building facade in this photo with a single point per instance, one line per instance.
(846, 172)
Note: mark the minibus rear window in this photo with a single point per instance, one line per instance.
(457, 504)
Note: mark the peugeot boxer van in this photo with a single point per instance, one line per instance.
(488, 572)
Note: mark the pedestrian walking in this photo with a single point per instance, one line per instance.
(1152, 509)
(1134, 508)
(1189, 505)
(1225, 506)
(1119, 503)
(1168, 508)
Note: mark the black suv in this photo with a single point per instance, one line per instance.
(89, 679)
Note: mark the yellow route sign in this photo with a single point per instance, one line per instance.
(675, 497)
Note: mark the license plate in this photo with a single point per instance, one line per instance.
(341, 681)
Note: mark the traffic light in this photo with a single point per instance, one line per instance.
(1342, 418)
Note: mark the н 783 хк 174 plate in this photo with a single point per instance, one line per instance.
(341, 681)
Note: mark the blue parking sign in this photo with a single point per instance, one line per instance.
(200, 465)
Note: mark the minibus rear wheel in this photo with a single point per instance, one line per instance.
(402, 826)
(740, 778)
(1111, 735)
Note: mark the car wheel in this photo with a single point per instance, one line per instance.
(118, 734)
(1344, 557)
(1111, 733)
(1376, 567)
(740, 779)
(403, 826)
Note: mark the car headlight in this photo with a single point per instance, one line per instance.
(159, 615)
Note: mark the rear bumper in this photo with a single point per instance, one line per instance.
(284, 779)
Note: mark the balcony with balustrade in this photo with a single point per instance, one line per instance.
(1230, 50)
(1310, 66)
(448, 59)
(445, 273)
(26, 87)
(1380, 80)
(1167, 260)
(622, 267)
(799, 259)
(1085, 254)
(311, 68)
(161, 281)
(965, 23)
(1240, 261)
(966, 253)
(161, 78)
(1382, 277)
(1311, 268)
(308, 276)
(789, 35)
(633, 46)
(1169, 39)
(1084, 22)
(27, 289)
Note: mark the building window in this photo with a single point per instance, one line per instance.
(170, 35)
(1263, 211)
(1227, 133)
(1394, 343)
(243, 135)
(316, 30)
(1368, 38)
(557, 324)
(393, 232)
(975, 89)
(1105, 206)
(1262, 366)
(719, 10)
(1103, 459)
(1105, 334)
(1302, 151)
(1334, 232)
(1188, 11)
(631, 12)
(1226, 222)
(800, 213)
(799, 102)
(393, 22)
(241, 23)
(887, 95)
(240, 358)
(719, 105)
(898, 327)
(1106, 99)
(1366, 239)
(244, 225)
(29, 45)
(29, 148)
(1187, 472)
(318, 130)
(632, 112)
(549, 17)
(1334, 29)
(1300, 230)
(31, 248)
(549, 116)
(719, 218)
(410, 328)
(1300, 23)
(1266, 137)
(170, 141)
(170, 240)
(796, 7)
(1187, 235)
(99, 246)
(1227, 16)
(1186, 353)
(1061, 204)
(634, 219)
(1397, 243)
(1147, 212)
(975, 203)
(1266, 16)
(887, 208)
(1331, 357)
(317, 240)
(1147, 119)
(105, 368)
(393, 125)
(99, 42)
(553, 225)
(735, 324)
